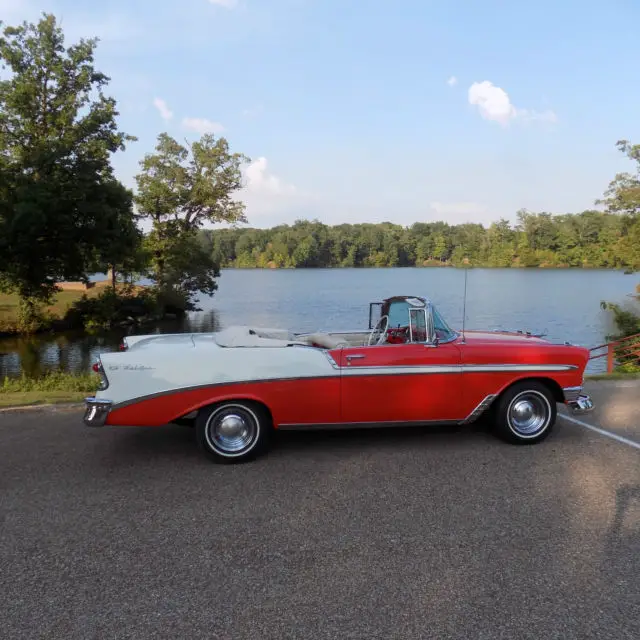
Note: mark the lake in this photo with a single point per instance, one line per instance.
(563, 303)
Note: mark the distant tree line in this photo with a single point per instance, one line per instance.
(587, 239)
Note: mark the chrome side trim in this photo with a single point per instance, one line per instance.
(409, 370)
(96, 411)
(456, 368)
(480, 409)
(331, 359)
(478, 368)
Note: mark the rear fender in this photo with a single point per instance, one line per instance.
(163, 408)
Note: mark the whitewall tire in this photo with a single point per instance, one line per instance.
(233, 431)
(525, 413)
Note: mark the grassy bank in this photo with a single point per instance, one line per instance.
(77, 308)
(9, 305)
(54, 388)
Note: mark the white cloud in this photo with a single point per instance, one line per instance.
(261, 182)
(202, 125)
(270, 200)
(165, 113)
(494, 104)
(227, 4)
(452, 81)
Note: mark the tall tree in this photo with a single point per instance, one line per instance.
(120, 250)
(179, 190)
(623, 193)
(57, 133)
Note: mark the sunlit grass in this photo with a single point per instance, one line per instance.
(52, 388)
(28, 398)
(51, 382)
(62, 301)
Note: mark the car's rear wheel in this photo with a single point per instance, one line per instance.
(525, 413)
(234, 431)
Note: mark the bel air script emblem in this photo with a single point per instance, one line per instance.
(130, 367)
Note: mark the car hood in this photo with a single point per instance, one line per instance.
(501, 337)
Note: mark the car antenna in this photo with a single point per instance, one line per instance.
(464, 303)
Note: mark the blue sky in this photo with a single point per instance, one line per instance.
(463, 110)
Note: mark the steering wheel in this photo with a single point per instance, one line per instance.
(382, 333)
(397, 335)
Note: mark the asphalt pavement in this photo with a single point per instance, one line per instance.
(378, 534)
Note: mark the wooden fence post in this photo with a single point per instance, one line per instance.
(610, 358)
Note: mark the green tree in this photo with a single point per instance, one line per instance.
(179, 190)
(120, 250)
(440, 247)
(501, 244)
(57, 133)
(623, 193)
(590, 239)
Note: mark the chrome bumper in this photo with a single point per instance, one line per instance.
(582, 404)
(577, 401)
(96, 411)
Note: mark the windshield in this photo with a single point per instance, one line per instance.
(442, 329)
(398, 314)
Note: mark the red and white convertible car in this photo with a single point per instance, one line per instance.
(408, 368)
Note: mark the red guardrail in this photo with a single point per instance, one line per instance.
(622, 351)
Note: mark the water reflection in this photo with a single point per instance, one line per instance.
(75, 352)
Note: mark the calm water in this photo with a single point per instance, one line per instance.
(565, 304)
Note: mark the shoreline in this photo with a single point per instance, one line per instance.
(444, 265)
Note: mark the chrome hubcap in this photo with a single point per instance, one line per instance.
(232, 430)
(529, 413)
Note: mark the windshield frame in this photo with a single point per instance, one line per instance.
(439, 323)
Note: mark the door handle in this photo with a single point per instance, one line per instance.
(356, 356)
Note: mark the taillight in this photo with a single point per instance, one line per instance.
(122, 346)
(99, 369)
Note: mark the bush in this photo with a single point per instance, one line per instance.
(629, 367)
(112, 308)
(627, 322)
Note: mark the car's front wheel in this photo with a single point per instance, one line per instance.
(234, 431)
(525, 413)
